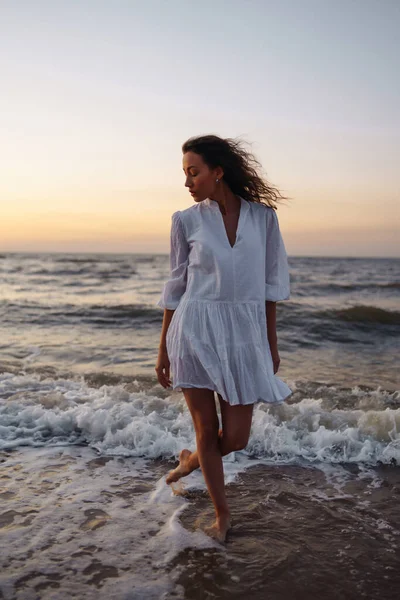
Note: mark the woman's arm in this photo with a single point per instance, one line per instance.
(172, 292)
(163, 365)
(277, 280)
(175, 286)
(270, 310)
(168, 312)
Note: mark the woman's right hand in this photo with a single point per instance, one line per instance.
(162, 368)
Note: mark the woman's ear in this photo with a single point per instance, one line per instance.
(219, 173)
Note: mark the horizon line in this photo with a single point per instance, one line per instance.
(167, 254)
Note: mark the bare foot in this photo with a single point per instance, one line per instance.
(178, 489)
(182, 469)
(219, 529)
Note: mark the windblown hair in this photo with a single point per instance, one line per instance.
(241, 168)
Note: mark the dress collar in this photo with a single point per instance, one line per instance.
(213, 204)
(244, 208)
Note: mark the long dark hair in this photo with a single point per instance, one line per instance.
(241, 168)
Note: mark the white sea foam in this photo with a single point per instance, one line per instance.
(95, 524)
(117, 422)
(111, 517)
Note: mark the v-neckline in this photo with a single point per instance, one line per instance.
(241, 211)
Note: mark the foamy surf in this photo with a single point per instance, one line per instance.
(84, 480)
(104, 527)
(114, 421)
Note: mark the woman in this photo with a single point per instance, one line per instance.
(228, 269)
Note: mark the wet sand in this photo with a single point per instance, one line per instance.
(74, 524)
(296, 535)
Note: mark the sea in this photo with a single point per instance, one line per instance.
(87, 436)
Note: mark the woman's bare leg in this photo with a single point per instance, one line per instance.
(201, 404)
(234, 435)
(210, 447)
(236, 425)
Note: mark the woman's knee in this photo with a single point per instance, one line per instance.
(207, 435)
(233, 443)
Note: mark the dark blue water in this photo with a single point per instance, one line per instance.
(95, 314)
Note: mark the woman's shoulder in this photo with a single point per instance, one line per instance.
(261, 205)
(191, 214)
(184, 213)
(265, 213)
(261, 208)
(187, 218)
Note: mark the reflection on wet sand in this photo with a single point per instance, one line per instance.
(77, 525)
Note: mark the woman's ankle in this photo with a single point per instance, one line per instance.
(223, 513)
(193, 461)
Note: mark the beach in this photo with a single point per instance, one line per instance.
(87, 436)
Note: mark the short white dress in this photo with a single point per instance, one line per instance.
(217, 337)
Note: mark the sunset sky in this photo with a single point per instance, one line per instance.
(98, 97)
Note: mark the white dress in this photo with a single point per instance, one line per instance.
(217, 337)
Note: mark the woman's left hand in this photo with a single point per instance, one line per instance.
(275, 359)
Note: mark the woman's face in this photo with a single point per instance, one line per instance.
(200, 179)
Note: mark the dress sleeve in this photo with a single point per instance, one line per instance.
(277, 279)
(175, 286)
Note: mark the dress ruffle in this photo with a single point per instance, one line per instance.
(224, 346)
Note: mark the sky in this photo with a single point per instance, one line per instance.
(98, 98)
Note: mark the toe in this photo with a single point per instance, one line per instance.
(170, 477)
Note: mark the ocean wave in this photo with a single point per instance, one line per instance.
(364, 314)
(313, 287)
(63, 313)
(77, 259)
(121, 272)
(116, 421)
